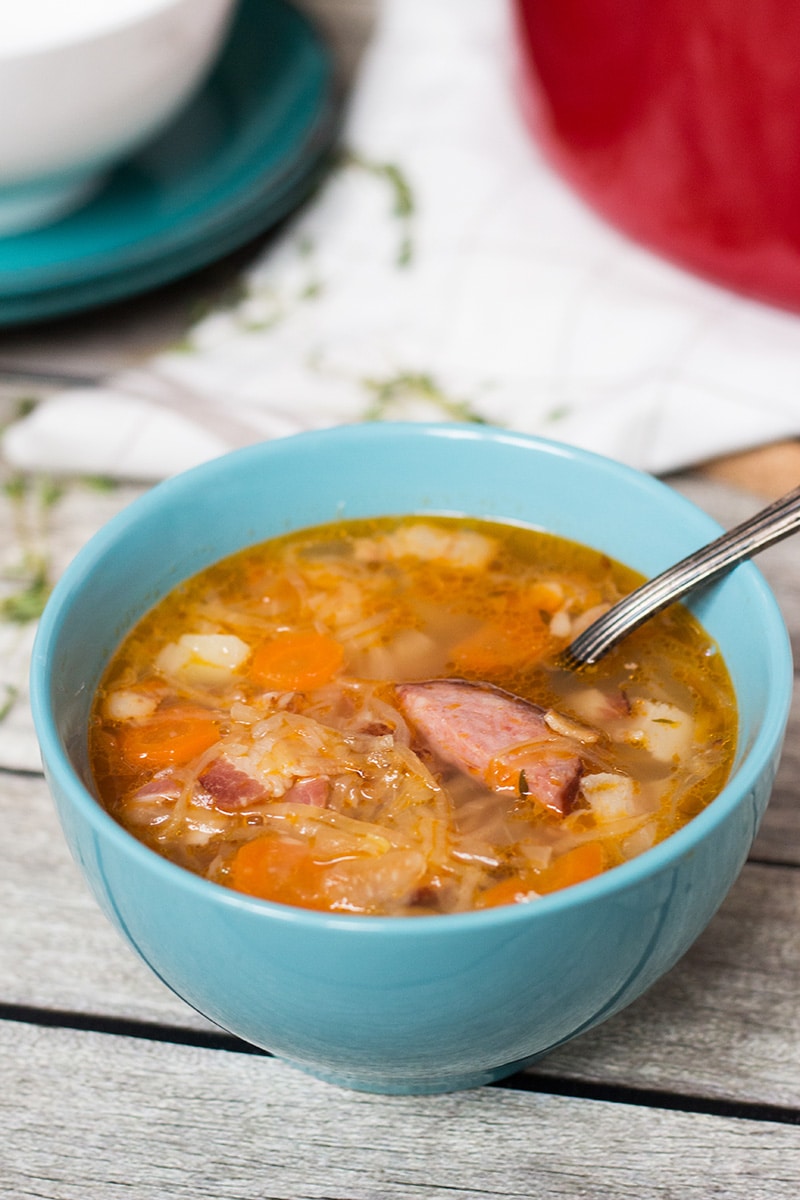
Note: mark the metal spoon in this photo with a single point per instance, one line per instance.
(768, 526)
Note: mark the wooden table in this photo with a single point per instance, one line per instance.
(110, 1086)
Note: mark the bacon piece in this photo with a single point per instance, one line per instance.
(162, 786)
(229, 786)
(314, 791)
(232, 787)
(151, 804)
(474, 725)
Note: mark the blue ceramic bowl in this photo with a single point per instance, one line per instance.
(404, 1004)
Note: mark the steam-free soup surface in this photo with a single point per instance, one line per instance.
(368, 718)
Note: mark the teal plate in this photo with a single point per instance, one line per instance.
(239, 158)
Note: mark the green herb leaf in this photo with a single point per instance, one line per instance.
(28, 603)
(403, 203)
(10, 699)
(100, 483)
(409, 386)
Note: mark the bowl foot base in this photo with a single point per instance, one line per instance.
(412, 1085)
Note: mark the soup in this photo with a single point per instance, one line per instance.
(369, 717)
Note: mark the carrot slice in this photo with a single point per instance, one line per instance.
(507, 891)
(494, 646)
(279, 869)
(171, 737)
(291, 661)
(584, 862)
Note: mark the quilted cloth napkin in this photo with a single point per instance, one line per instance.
(444, 271)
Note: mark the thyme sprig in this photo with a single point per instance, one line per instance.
(412, 386)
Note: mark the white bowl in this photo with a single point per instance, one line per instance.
(85, 82)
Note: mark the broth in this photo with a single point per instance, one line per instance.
(368, 717)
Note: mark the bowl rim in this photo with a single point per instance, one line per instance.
(651, 863)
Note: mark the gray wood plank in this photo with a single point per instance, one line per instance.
(724, 1023)
(93, 1117)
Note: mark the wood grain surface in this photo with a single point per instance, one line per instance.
(134, 1121)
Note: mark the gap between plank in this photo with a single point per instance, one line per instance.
(651, 1098)
(540, 1082)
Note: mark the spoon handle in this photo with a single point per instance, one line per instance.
(769, 525)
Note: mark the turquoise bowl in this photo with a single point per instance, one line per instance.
(404, 1005)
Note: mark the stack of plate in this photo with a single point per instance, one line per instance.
(240, 157)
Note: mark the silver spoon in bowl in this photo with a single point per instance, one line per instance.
(771, 524)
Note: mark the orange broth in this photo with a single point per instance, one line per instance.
(272, 726)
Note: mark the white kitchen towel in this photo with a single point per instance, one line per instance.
(444, 270)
